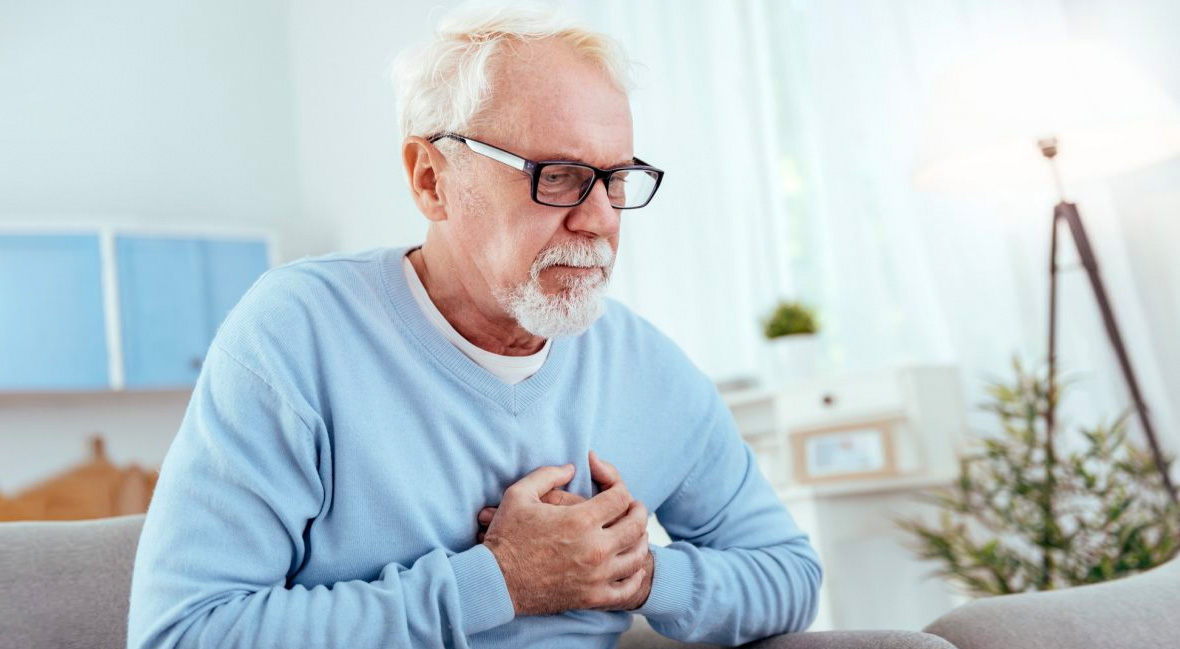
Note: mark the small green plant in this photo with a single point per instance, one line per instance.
(789, 318)
(1026, 514)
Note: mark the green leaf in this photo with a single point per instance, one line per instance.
(1017, 518)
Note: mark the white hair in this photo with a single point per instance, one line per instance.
(573, 309)
(442, 85)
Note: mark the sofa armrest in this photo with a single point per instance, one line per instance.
(853, 640)
(67, 583)
(1136, 611)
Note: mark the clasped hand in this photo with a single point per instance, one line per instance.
(559, 551)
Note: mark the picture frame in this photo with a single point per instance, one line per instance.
(850, 451)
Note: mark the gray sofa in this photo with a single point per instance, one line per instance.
(66, 584)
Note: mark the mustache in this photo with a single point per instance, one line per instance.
(582, 254)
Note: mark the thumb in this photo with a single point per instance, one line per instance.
(543, 480)
(603, 472)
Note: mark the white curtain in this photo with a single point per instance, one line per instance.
(788, 131)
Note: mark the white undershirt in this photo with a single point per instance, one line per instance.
(509, 369)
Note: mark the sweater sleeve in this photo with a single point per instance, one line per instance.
(225, 532)
(739, 568)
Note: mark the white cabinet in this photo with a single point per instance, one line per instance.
(872, 579)
(920, 408)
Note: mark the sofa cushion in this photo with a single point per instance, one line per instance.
(67, 583)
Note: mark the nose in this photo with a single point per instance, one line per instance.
(595, 215)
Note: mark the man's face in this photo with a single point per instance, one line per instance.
(547, 103)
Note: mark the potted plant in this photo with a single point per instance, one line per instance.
(792, 331)
(1028, 514)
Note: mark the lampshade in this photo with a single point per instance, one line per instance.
(986, 115)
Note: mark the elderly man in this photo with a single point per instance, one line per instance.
(408, 447)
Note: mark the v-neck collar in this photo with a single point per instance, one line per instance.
(513, 398)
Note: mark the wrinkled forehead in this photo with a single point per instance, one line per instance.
(548, 101)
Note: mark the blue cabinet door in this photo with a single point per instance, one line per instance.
(231, 267)
(161, 310)
(173, 295)
(52, 328)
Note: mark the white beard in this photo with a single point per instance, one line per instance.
(574, 308)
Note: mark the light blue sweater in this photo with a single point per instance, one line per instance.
(323, 488)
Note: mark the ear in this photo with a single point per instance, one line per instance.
(424, 163)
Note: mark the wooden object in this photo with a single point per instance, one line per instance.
(96, 489)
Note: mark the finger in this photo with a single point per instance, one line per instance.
(603, 472)
(541, 481)
(629, 561)
(614, 497)
(641, 545)
(562, 497)
(486, 515)
(606, 507)
(622, 592)
(624, 532)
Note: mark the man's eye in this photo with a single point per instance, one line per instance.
(555, 178)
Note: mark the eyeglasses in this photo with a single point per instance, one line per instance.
(566, 183)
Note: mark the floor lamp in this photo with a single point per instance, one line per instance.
(995, 121)
(1068, 212)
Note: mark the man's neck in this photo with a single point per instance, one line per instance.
(496, 332)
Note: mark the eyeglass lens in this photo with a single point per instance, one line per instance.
(565, 185)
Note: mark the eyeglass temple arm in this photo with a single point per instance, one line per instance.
(516, 162)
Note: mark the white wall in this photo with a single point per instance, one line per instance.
(155, 112)
(1148, 200)
(271, 114)
(349, 148)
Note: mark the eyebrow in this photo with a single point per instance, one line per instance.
(569, 158)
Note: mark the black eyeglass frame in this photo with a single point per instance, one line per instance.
(534, 167)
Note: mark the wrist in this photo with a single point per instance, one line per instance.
(484, 600)
(500, 554)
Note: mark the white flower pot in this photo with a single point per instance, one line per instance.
(792, 358)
